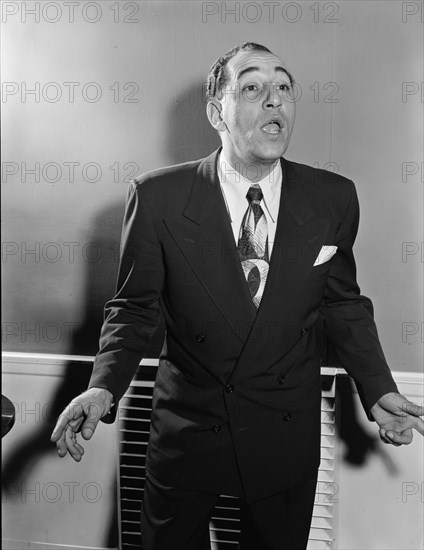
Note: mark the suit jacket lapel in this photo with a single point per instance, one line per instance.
(204, 235)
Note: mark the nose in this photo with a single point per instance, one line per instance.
(272, 97)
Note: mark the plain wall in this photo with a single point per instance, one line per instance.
(60, 233)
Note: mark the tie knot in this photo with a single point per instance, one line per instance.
(254, 194)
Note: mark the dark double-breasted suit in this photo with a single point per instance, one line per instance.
(236, 404)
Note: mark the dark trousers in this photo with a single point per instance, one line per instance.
(178, 519)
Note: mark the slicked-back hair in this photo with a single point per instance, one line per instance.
(218, 74)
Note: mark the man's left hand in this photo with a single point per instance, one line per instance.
(397, 417)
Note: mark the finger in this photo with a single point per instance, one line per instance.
(73, 447)
(72, 411)
(412, 408)
(79, 447)
(419, 425)
(60, 440)
(93, 416)
(75, 424)
(61, 446)
(383, 437)
(400, 438)
(59, 429)
(386, 439)
(411, 422)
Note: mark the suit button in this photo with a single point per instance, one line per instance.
(200, 339)
(216, 429)
(229, 388)
(281, 380)
(287, 416)
(304, 331)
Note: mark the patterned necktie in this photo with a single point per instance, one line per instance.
(253, 245)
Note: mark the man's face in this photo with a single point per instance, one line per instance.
(258, 109)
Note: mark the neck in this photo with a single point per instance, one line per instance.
(254, 171)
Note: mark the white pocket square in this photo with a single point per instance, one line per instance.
(325, 254)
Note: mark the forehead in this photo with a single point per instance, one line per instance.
(244, 63)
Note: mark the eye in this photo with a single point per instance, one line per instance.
(251, 92)
(250, 88)
(284, 87)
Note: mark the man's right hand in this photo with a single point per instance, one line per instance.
(82, 414)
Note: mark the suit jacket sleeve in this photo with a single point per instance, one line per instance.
(132, 316)
(349, 322)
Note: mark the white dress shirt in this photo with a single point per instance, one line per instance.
(235, 187)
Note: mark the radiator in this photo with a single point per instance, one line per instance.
(134, 423)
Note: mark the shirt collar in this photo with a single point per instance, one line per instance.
(236, 186)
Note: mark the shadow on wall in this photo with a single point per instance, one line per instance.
(358, 444)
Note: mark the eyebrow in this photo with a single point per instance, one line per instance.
(253, 69)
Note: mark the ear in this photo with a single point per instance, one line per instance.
(214, 113)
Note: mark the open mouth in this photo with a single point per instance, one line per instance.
(273, 127)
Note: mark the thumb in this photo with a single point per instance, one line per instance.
(90, 424)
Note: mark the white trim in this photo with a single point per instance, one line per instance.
(47, 364)
(46, 358)
(408, 377)
(10, 544)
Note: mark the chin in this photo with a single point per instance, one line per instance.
(270, 154)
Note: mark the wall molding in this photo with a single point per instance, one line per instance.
(31, 545)
(409, 382)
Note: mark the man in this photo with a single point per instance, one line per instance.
(242, 251)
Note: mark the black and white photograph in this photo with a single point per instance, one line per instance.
(212, 266)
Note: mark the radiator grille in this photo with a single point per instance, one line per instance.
(134, 421)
